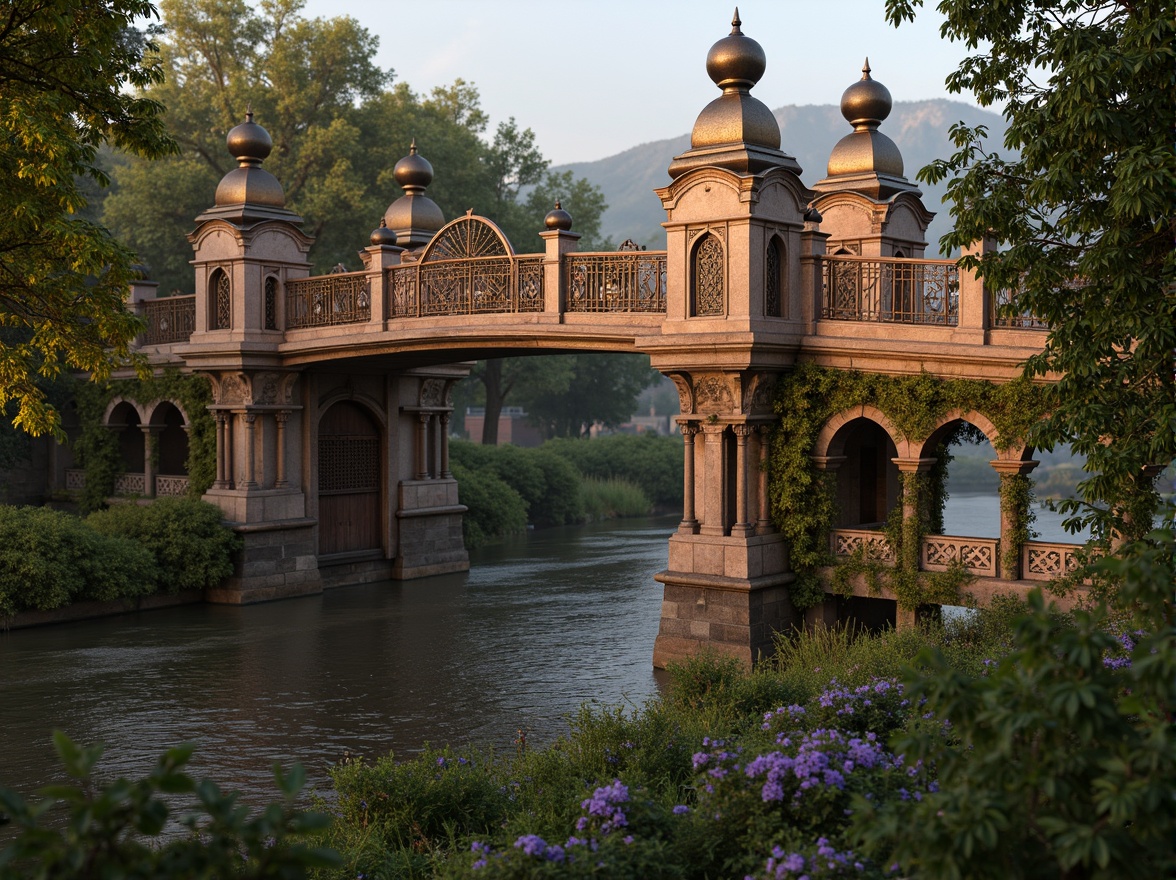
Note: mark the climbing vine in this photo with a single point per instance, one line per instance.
(96, 448)
(803, 498)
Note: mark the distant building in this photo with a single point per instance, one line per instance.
(513, 427)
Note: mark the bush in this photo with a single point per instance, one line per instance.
(651, 462)
(495, 509)
(49, 559)
(608, 499)
(116, 830)
(191, 545)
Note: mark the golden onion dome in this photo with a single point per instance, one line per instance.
(413, 171)
(558, 218)
(249, 183)
(736, 60)
(414, 217)
(866, 150)
(382, 236)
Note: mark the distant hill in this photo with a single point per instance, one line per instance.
(920, 128)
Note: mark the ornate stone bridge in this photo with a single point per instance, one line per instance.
(332, 392)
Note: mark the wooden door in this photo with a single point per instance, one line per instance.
(348, 480)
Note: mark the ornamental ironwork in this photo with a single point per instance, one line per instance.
(467, 238)
(891, 290)
(708, 277)
(271, 303)
(328, 299)
(171, 319)
(470, 286)
(772, 279)
(625, 281)
(222, 315)
(348, 463)
(1005, 313)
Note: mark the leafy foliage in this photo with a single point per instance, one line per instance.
(117, 830)
(1081, 202)
(652, 463)
(67, 71)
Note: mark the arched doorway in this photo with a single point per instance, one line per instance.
(172, 440)
(348, 480)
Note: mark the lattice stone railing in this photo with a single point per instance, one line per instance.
(846, 542)
(890, 290)
(470, 286)
(1044, 562)
(325, 300)
(166, 485)
(171, 319)
(979, 556)
(625, 281)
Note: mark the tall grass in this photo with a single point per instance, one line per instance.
(612, 498)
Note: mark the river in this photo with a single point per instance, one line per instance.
(539, 625)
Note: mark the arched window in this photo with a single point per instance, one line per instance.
(775, 280)
(222, 300)
(708, 284)
(271, 303)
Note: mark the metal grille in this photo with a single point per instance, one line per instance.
(709, 289)
(349, 464)
(891, 290)
(271, 303)
(328, 299)
(222, 318)
(479, 285)
(772, 279)
(1005, 315)
(530, 283)
(171, 319)
(626, 281)
(465, 239)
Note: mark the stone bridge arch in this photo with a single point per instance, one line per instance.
(861, 446)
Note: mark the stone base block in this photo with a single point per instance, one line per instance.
(430, 537)
(278, 561)
(349, 569)
(737, 617)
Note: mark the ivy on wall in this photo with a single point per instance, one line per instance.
(803, 498)
(96, 448)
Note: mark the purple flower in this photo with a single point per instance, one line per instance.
(681, 810)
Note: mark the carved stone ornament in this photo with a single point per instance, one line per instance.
(712, 394)
(432, 392)
(233, 388)
(685, 395)
(757, 392)
(267, 389)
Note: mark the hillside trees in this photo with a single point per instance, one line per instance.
(1081, 205)
(65, 71)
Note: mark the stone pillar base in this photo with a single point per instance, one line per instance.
(430, 530)
(277, 561)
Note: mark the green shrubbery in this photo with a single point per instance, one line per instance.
(50, 559)
(563, 482)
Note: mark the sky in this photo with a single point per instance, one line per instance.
(595, 78)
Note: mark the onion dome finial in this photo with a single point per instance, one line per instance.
(736, 61)
(382, 236)
(414, 217)
(867, 102)
(413, 172)
(558, 218)
(249, 183)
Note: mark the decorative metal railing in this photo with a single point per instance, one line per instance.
(1044, 562)
(625, 281)
(171, 319)
(873, 545)
(166, 485)
(470, 286)
(978, 556)
(1003, 316)
(324, 300)
(890, 290)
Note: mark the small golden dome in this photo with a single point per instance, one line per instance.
(866, 150)
(382, 236)
(414, 217)
(558, 218)
(736, 60)
(866, 101)
(413, 172)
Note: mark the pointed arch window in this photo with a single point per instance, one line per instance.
(222, 300)
(708, 278)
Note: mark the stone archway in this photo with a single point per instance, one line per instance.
(348, 480)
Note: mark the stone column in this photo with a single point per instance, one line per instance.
(689, 524)
(714, 484)
(249, 482)
(446, 474)
(148, 464)
(763, 523)
(1010, 562)
(975, 298)
(742, 527)
(435, 421)
(224, 450)
(280, 419)
(422, 446)
(909, 556)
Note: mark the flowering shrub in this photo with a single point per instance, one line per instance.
(880, 706)
(823, 861)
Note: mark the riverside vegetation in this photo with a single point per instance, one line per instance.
(1017, 742)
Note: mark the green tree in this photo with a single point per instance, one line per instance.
(67, 74)
(1081, 203)
(604, 388)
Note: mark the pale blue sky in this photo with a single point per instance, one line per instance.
(594, 77)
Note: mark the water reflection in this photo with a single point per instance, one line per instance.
(538, 626)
